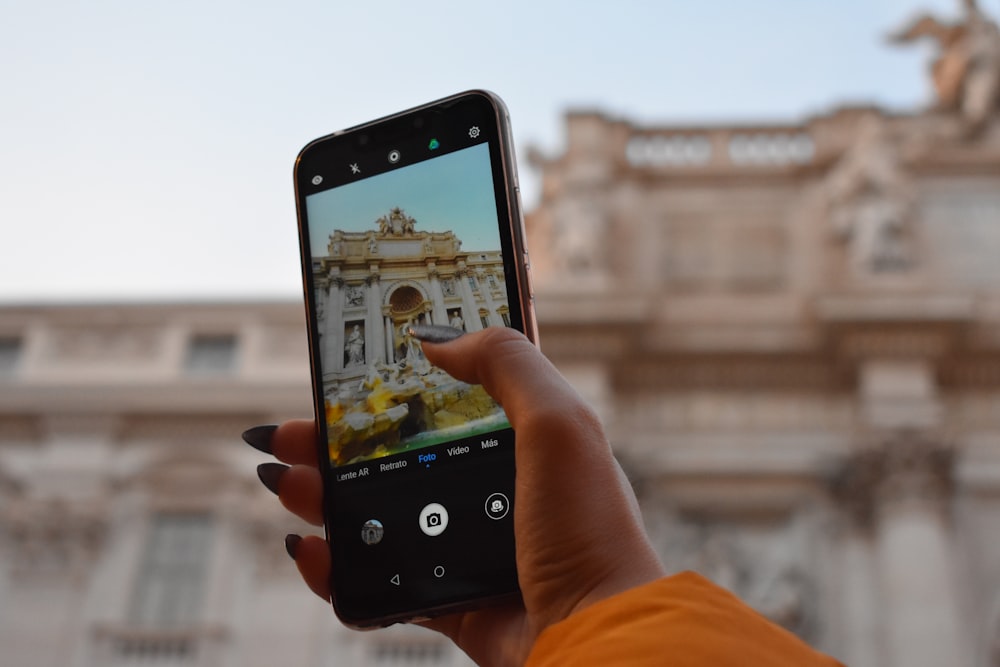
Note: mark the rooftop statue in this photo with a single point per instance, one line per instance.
(966, 72)
(397, 223)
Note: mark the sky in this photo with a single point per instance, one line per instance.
(452, 192)
(146, 149)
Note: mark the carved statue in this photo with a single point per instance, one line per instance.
(870, 201)
(355, 347)
(409, 347)
(336, 246)
(456, 321)
(397, 223)
(407, 223)
(966, 72)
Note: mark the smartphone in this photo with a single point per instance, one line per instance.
(412, 219)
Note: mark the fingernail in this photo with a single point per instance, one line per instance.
(434, 333)
(292, 543)
(259, 437)
(270, 474)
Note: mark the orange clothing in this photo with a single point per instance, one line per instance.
(682, 620)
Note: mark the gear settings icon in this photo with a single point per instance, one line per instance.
(473, 131)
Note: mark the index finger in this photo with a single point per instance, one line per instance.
(294, 442)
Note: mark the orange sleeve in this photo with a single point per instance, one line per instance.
(683, 620)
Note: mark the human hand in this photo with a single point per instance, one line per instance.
(579, 535)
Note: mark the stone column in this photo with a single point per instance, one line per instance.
(899, 594)
(333, 336)
(390, 352)
(862, 606)
(470, 311)
(863, 625)
(914, 554)
(491, 308)
(438, 312)
(374, 341)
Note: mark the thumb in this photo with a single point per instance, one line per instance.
(509, 366)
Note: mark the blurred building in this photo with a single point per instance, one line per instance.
(133, 529)
(792, 333)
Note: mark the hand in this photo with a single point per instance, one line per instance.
(579, 534)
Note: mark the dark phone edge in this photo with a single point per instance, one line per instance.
(526, 299)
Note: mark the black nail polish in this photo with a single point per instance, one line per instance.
(259, 437)
(270, 474)
(434, 333)
(292, 543)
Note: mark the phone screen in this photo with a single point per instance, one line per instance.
(411, 220)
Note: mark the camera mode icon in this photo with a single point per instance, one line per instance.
(497, 506)
(433, 519)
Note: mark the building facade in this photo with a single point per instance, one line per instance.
(378, 282)
(133, 529)
(792, 333)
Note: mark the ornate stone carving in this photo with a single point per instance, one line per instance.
(743, 559)
(870, 201)
(397, 223)
(966, 71)
(355, 296)
(52, 538)
(902, 467)
(336, 246)
(321, 297)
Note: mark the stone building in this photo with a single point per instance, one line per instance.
(379, 281)
(792, 333)
(133, 529)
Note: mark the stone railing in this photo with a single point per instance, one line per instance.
(741, 149)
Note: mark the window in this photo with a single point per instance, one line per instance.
(484, 317)
(171, 580)
(421, 652)
(10, 356)
(211, 355)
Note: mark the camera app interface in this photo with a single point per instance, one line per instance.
(416, 245)
(421, 464)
